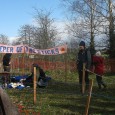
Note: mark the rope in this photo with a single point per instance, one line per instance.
(92, 72)
(95, 73)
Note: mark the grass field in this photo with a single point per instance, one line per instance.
(62, 97)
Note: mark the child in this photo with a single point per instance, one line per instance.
(98, 68)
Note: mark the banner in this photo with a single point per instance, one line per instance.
(30, 50)
(11, 49)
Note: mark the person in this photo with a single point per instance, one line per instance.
(6, 62)
(83, 57)
(42, 79)
(6, 66)
(98, 68)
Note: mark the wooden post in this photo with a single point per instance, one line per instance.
(89, 97)
(23, 61)
(34, 85)
(2, 63)
(83, 79)
(18, 58)
(65, 58)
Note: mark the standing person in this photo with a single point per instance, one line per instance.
(98, 68)
(6, 62)
(6, 67)
(84, 57)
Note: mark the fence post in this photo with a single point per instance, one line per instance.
(89, 97)
(23, 61)
(65, 57)
(34, 85)
(83, 79)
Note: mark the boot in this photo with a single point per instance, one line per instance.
(99, 85)
(105, 86)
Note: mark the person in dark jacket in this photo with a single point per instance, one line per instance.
(6, 66)
(98, 68)
(6, 62)
(42, 79)
(42, 74)
(83, 57)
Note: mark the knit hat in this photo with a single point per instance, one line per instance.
(82, 43)
(98, 53)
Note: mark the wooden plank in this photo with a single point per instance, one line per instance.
(8, 106)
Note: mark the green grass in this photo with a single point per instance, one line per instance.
(62, 97)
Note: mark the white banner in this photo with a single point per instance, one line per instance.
(30, 50)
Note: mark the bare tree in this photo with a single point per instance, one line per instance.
(26, 35)
(111, 30)
(86, 19)
(106, 10)
(42, 35)
(16, 41)
(4, 39)
(46, 32)
(90, 19)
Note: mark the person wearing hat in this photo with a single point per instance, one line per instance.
(98, 68)
(83, 57)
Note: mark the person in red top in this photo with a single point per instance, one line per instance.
(98, 68)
